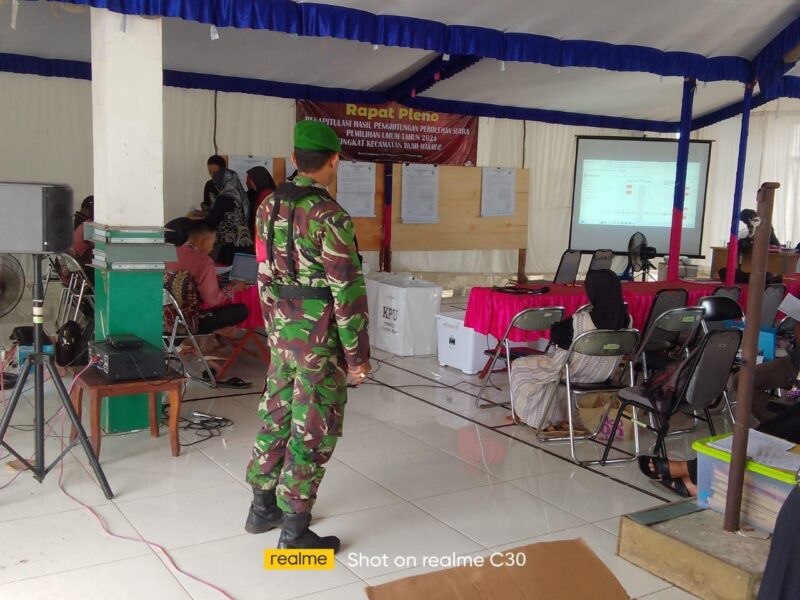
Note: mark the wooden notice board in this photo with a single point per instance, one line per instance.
(369, 230)
(460, 225)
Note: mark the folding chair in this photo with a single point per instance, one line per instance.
(668, 338)
(734, 292)
(77, 289)
(785, 328)
(773, 296)
(177, 329)
(701, 383)
(568, 267)
(588, 307)
(601, 259)
(600, 343)
(530, 319)
(719, 309)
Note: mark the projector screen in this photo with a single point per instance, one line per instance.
(625, 185)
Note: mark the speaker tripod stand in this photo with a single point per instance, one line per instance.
(36, 363)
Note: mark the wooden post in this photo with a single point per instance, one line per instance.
(744, 395)
(521, 262)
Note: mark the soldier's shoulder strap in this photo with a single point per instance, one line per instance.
(292, 193)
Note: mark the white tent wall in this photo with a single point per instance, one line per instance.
(46, 124)
(773, 154)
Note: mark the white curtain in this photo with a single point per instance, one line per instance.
(46, 129)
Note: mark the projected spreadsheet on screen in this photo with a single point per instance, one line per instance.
(639, 193)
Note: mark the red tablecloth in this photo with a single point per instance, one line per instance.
(249, 297)
(489, 311)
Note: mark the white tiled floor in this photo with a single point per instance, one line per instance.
(420, 470)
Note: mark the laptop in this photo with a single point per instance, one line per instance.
(244, 268)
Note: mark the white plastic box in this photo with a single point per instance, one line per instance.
(765, 488)
(403, 314)
(461, 347)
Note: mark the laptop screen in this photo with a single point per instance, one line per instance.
(244, 268)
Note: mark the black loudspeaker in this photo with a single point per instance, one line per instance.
(35, 218)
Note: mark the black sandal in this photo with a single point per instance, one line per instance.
(234, 382)
(677, 486)
(655, 467)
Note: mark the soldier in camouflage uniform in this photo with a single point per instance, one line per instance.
(315, 308)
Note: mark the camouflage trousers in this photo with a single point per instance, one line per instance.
(302, 410)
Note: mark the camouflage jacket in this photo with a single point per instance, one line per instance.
(325, 256)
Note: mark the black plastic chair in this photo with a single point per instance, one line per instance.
(530, 319)
(702, 382)
(734, 292)
(666, 339)
(600, 343)
(568, 267)
(773, 296)
(601, 259)
(719, 309)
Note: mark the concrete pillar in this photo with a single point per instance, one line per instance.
(127, 122)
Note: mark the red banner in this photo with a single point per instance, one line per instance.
(395, 133)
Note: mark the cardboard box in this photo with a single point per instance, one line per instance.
(548, 573)
(592, 408)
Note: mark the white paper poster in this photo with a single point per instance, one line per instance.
(355, 188)
(242, 164)
(420, 198)
(498, 192)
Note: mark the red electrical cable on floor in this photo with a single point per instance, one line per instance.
(94, 513)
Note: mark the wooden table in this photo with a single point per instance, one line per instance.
(97, 387)
(780, 263)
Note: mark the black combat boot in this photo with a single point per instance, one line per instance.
(296, 534)
(264, 513)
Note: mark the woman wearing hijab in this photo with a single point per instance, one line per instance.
(260, 184)
(230, 216)
(534, 379)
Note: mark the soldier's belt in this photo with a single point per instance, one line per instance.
(302, 292)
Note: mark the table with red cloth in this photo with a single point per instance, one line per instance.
(490, 311)
(250, 298)
(255, 320)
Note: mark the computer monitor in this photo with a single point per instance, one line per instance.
(244, 268)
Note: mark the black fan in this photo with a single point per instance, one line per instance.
(639, 255)
(12, 283)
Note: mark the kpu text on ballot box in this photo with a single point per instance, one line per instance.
(402, 312)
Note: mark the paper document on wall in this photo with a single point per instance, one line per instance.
(420, 198)
(242, 164)
(355, 188)
(765, 449)
(498, 191)
(790, 307)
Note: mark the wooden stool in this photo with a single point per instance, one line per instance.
(98, 388)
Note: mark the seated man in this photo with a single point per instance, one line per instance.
(81, 248)
(193, 257)
(681, 476)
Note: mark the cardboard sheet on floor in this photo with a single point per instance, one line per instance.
(563, 570)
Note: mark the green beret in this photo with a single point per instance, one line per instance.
(313, 135)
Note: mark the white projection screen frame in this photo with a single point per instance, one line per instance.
(623, 185)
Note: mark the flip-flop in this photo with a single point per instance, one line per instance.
(676, 485)
(655, 467)
(234, 382)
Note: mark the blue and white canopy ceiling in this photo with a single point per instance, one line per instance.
(615, 63)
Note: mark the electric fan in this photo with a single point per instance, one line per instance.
(639, 255)
(12, 283)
